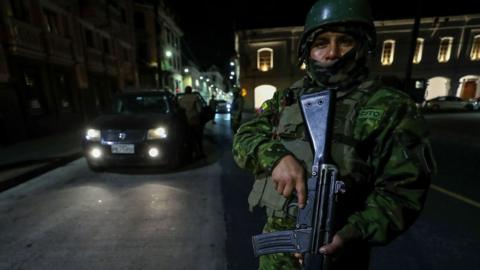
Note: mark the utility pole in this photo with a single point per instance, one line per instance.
(158, 68)
(413, 46)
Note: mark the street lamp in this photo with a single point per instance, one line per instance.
(168, 53)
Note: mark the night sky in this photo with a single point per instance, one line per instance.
(209, 25)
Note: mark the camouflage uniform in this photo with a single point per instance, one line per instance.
(379, 145)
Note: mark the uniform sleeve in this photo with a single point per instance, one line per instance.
(254, 147)
(403, 165)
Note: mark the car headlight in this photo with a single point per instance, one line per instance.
(157, 133)
(92, 135)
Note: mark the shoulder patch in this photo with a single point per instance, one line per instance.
(371, 114)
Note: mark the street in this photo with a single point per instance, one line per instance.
(197, 216)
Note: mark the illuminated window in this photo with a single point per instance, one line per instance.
(418, 51)
(265, 59)
(475, 52)
(445, 49)
(387, 52)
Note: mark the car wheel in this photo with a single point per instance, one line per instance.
(95, 168)
(176, 159)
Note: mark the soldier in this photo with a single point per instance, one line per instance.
(236, 110)
(379, 142)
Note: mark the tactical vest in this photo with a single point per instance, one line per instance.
(349, 153)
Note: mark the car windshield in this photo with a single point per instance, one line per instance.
(141, 104)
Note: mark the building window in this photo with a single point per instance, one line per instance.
(139, 19)
(388, 51)
(142, 51)
(445, 49)
(418, 51)
(89, 38)
(265, 59)
(106, 46)
(19, 10)
(123, 15)
(51, 21)
(475, 52)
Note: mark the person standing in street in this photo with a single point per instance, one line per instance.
(192, 107)
(379, 142)
(236, 109)
(213, 107)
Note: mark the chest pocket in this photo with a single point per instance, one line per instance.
(351, 149)
(291, 132)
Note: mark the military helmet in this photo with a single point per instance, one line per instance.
(337, 12)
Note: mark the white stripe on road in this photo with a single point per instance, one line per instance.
(456, 196)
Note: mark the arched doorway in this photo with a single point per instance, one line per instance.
(469, 87)
(437, 87)
(263, 93)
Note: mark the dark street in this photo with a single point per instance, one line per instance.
(197, 216)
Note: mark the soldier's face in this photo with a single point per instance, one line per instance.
(330, 46)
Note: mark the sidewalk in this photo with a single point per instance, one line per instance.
(22, 161)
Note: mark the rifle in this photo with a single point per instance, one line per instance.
(315, 222)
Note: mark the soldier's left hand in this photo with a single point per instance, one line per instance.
(334, 247)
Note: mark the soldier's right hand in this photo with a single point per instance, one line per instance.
(289, 175)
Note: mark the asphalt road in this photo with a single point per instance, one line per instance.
(198, 218)
(72, 218)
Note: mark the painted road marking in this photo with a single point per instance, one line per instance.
(456, 196)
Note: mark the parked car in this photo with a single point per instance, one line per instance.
(143, 129)
(475, 103)
(222, 106)
(207, 113)
(448, 103)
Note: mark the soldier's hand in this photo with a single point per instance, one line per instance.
(334, 247)
(289, 175)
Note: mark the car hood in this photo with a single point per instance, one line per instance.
(131, 121)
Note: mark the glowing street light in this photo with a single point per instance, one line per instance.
(168, 53)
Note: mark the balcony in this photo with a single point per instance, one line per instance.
(111, 65)
(94, 60)
(59, 49)
(128, 71)
(24, 39)
(4, 73)
(94, 12)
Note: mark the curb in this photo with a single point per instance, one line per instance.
(51, 164)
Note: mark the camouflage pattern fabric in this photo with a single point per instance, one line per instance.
(391, 141)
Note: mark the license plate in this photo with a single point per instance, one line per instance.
(123, 148)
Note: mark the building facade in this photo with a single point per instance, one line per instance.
(446, 59)
(170, 56)
(60, 63)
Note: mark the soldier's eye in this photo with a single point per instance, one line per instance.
(321, 43)
(346, 41)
